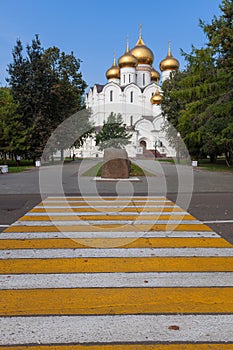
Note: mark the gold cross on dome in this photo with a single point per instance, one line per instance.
(140, 30)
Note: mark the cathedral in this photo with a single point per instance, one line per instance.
(133, 91)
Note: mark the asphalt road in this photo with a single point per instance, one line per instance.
(206, 195)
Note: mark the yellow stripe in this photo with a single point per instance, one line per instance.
(59, 243)
(153, 264)
(112, 227)
(105, 217)
(100, 210)
(92, 301)
(125, 346)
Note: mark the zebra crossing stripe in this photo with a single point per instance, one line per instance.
(111, 209)
(114, 253)
(106, 234)
(105, 217)
(117, 301)
(126, 346)
(107, 227)
(32, 213)
(63, 243)
(92, 265)
(107, 198)
(142, 329)
(117, 280)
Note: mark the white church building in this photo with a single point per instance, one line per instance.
(132, 90)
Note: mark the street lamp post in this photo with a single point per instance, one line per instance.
(155, 149)
(178, 148)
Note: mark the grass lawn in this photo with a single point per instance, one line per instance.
(219, 166)
(203, 164)
(27, 164)
(135, 171)
(19, 169)
(166, 160)
(12, 163)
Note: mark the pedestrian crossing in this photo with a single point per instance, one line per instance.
(114, 273)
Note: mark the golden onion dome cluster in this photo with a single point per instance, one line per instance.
(141, 54)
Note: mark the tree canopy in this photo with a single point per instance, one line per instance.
(198, 101)
(113, 134)
(47, 87)
(12, 134)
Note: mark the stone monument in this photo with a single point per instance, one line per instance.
(116, 164)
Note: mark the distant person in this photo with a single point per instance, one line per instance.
(18, 158)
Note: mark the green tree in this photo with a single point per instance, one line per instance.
(48, 88)
(12, 135)
(199, 90)
(198, 101)
(171, 106)
(113, 133)
(219, 124)
(67, 97)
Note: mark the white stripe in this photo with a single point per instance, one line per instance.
(114, 213)
(158, 234)
(106, 197)
(117, 328)
(90, 198)
(4, 225)
(117, 280)
(104, 206)
(102, 222)
(218, 222)
(112, 253)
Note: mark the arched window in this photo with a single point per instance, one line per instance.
(131, 96)
(111, 96)
(131, 120)
(124, 78)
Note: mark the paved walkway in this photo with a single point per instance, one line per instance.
(114, 273)
(68, 179)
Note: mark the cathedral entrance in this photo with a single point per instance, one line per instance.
(143, 145)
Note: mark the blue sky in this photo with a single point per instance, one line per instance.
(93, 29)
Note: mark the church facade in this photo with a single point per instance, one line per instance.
(133, 91)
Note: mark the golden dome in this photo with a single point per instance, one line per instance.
(156, 98)
(155, 76)
(113, 72)
(127, 60)
(169, 63)
(143, 54)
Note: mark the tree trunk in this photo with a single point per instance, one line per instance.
(62, 154)
(229, 158)
(213, 158)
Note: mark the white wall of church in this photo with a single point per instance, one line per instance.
(128, 76)
(143, 75)
(166, 75)
(132, 103)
